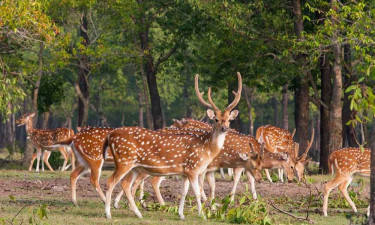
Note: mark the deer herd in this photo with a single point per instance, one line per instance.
(190, 148)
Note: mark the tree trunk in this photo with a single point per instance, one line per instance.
(83, 74)
(275, 104)
(236, 123)
(34, 106)
(284, 106)
(372, 176)
(302, 92)
(249, 101)
(45, 119)
(348, 78)
(140, 109)
(336, 104)
(149, 69)
(188, 82)
(146, 100)
(325, 121)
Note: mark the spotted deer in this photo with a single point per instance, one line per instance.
(278, 140)
(160, 154)
(87, 145)
(347, 162)
(42, 138)
(250, 144)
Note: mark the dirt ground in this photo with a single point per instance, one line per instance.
(170, 188)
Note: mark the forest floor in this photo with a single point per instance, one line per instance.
(30, 190)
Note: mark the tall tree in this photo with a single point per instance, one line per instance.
(302, 91)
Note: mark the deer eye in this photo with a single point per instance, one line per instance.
(291, 167)
(216, 120)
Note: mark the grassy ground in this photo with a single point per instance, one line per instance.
(28, 191)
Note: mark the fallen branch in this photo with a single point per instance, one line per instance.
(290, 214)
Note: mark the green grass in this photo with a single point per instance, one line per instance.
(91, 210)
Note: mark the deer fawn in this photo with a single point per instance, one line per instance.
(161, 154)
(347, 162)
(41, 139)
(278, 140)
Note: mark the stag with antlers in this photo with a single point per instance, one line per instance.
(41, 139)
(347, 162)
(159, 154)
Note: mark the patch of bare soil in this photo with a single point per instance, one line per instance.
(170, 189)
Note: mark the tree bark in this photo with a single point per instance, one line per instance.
(275, 104)
(336, 104)
(348, 130)
(249, 101)
(325, 120)
(302, 92)
(284, 106)
(83, 75)
(146, 100)
(45, 119)
(140, 109)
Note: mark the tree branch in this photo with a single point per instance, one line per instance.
(162, 58)
(290, 214)
(79, 93)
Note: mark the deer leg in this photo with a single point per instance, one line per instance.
(281, 175)
(38, 155)
(368, 212)
(47, 154)
(195, 184)
(268, 175)
(72, 158)
(126, 187)
(156, 181)
(65, 155)
(201, 186)
(327, 189)
(222, 173)
(344, 190)
(236, 179)
(252, 185)
(117, 175)
(230, 172)
(35, 155)
(96, 169)
(74, 176)
(211, 182)
(184, 191)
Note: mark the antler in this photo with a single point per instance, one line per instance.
(309, 143)
(236, 94)
(199, 94)
(210, 100)
(296, 150)
(294, 132)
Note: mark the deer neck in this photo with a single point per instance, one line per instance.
(217, 142)
(29, 127)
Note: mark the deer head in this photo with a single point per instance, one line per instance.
(221, 118)
(24, 119)
(301, 161)
(256, 161)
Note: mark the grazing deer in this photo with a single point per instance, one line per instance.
(41, 139)
(159, 154)
(278, 140)
(269, 160)
(347, 162)
(87, 145)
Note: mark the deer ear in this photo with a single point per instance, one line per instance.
(244, 156)
(32, 114)
(233, 114)
(79, 129)
(210, 114)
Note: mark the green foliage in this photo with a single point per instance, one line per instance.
(51, 92)
(35, 214)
